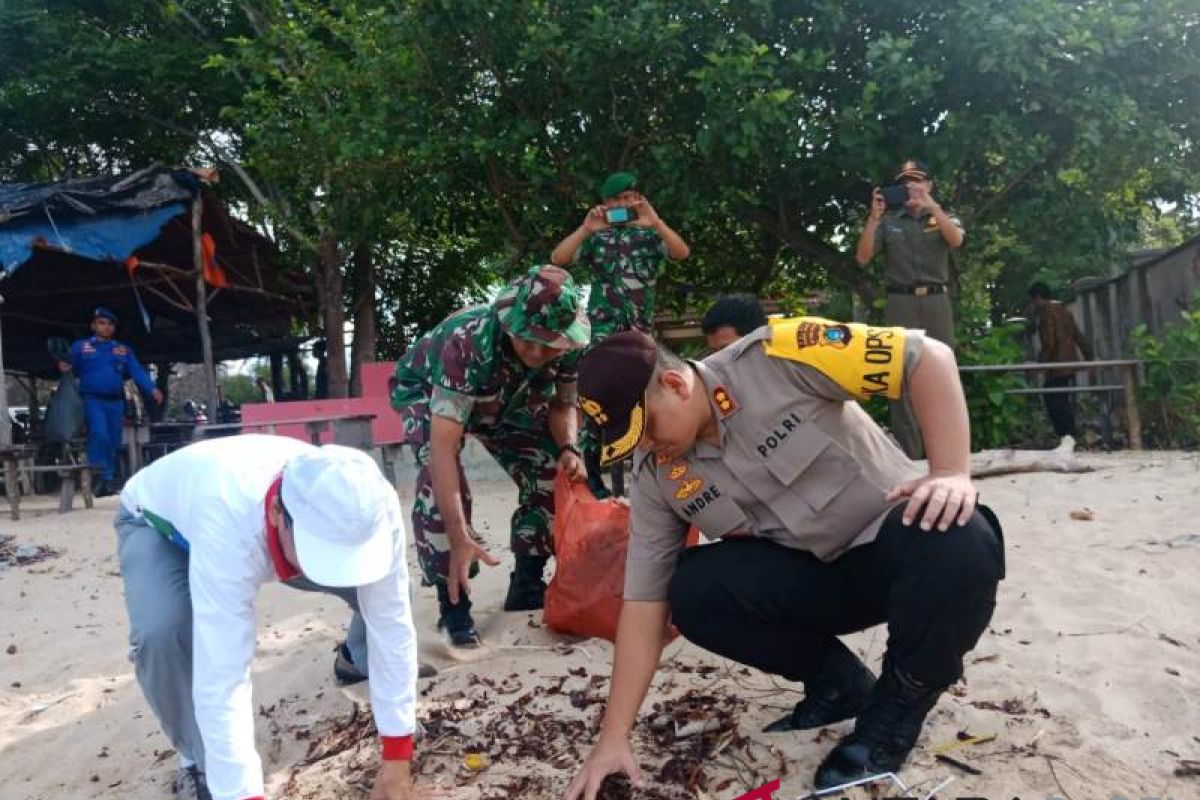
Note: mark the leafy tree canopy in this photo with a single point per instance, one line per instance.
(458, 141)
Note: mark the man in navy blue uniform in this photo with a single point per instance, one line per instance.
(102, 365)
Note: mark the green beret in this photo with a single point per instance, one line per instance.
(616, 183)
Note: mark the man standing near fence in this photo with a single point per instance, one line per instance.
(916, 237)
(1059, 339)
(102, 365)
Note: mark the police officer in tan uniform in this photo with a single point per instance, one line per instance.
(820, 526)
(916, 239)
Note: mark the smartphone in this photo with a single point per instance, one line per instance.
(619, 215)
(895, 195)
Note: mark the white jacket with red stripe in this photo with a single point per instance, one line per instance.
(209, 498)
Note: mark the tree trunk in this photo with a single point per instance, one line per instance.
(202, 323)
(162, 380)
(366, 333)
(277, 386)
(297, 377)
(333, 313)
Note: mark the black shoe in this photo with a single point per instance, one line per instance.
(838, 693)
(885, 733)
(526, 588)
(344, 671)
(190, 785)
(102, 488)
(346, 674)
(456, 620)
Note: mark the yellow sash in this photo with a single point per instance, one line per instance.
(865, 361)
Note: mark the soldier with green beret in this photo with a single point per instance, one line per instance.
(622, 244)
(504, 373)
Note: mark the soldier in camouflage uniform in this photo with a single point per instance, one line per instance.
(623, 261)
(504, 373)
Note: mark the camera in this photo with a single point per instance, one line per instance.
(895, 195)
(619, 215)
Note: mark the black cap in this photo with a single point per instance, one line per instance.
(103, 312)
(613, 377)
(912, 169)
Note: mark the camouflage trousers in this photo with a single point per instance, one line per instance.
(525, 451)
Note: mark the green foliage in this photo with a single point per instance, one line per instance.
(1169, 397)
(460, 141)
(997, 419)
(239, 389)
(100, 86)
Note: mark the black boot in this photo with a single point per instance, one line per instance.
(344, 671)
(456, 620)
(191, 785)
(885, 733)
(838, 692)
(526, 589)
(101, 487)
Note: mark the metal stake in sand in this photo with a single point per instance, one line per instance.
(860, 782)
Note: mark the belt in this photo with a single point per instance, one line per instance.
(919, 291)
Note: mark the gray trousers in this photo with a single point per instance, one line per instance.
(159, 604)
(935, 314)
(356, 634)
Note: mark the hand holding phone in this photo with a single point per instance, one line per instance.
(619, 215)
(895, 195)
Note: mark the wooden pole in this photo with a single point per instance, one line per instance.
(1132, 417)
(5, 422)
(206, 350)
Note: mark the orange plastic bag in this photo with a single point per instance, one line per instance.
(591, 538)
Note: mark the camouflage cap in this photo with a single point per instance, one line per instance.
(613, 377)
(616, 183)
(543, 306)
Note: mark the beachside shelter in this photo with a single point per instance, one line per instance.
(190, 282)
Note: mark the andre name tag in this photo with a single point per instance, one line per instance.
(864, 360)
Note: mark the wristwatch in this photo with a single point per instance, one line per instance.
(572, 447)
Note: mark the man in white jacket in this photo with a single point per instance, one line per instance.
(199, 532)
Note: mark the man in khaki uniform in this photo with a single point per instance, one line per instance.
(916, 239)
(763, 448)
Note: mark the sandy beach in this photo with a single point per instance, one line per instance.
(1088, 680)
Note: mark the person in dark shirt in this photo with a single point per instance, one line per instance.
(731, 318)
(1059, 339)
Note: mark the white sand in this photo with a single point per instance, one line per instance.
(1079, 640)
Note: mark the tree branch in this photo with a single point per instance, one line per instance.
(496, 186)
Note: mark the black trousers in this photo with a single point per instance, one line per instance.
(1060, 406)
(781, 610)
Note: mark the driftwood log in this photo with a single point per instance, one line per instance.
(990, 463)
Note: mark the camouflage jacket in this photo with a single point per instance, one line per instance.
(466, 370)
(623, 265)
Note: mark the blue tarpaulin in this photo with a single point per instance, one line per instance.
(106, 237)
(63, 250)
